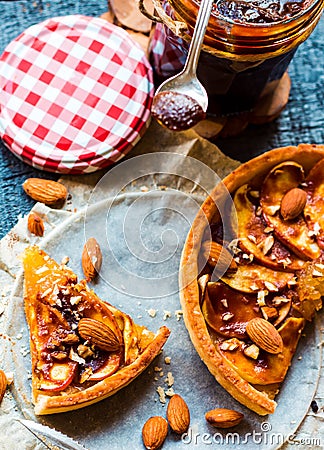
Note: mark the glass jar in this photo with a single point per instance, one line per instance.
(239, 60)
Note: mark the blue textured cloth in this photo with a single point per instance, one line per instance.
(17, 15)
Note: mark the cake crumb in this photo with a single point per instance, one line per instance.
(161, 393)
(170, 392)
(24, 350)
(167, 360)
(10, 378)
(166, 315)
(65, 261)
(169, 379)
(178, 313)
(151, 312)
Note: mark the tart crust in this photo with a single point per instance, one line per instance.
(261, 401)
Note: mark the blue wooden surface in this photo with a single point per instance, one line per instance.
(301, 121)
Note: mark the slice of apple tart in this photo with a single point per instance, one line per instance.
(247, 292)
(82, 348)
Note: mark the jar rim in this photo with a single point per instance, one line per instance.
(267, 25)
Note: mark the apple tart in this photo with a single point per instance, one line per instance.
(82, 348)
(248, 286)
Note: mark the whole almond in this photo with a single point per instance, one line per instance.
(98, 334)
(91, 259)
(178, 414)
(223, 418)
(217, 255)
(154, 432)
(264, 335)
(3, 384)
(35, 224)
(293, 203)
(50, 192)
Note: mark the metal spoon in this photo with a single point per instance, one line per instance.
(186, 82)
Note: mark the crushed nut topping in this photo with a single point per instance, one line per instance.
(254, 287)
(229, 345)
(227, 316)
(59, 356)
(267, 244)
(166, 315)
(151, 312)
(86, 374)
(71, 339)
(258, 212)
(261, 298)
(252, 351)
(75, 357)
(41, 270)
(252, 238)
(292, 282)
(269, 313)
(271, 210)
(170, 392)
(317, 273)
(316, 230)
(285, 261)
(270, 286)
(224, 302)
(277, 301)
(65, 260)
(75, 300)
(47, 292)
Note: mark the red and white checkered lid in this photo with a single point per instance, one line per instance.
(75, 94)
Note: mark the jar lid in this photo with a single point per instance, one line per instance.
(75, 94)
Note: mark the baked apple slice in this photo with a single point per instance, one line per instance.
(263, 368)
(82, 348)
(227, 311)
(256, 236)
(251, 278)
(288, 223)
(314, 208)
